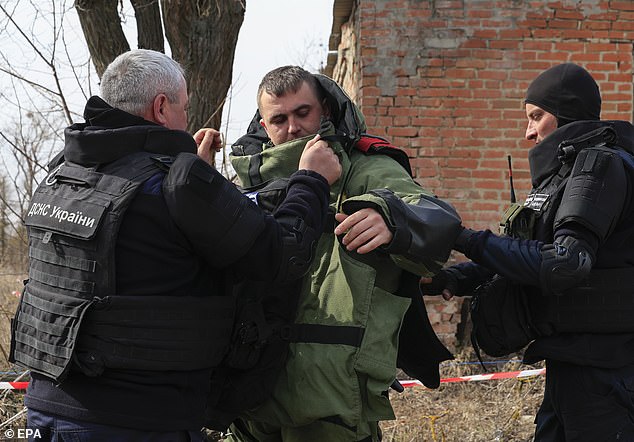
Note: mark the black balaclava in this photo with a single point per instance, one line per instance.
(568, 92)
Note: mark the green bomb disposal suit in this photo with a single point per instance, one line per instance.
(336, 390)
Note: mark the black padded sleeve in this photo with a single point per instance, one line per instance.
(426, 230)
(227, 229)
(594, 196)
(285, 253)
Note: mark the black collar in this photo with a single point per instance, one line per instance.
(109, 134)
(543, 158)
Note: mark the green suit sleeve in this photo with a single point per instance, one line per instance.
(424, 227)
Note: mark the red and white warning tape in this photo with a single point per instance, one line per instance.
(13, 385)
(405, 383)
(483, 377)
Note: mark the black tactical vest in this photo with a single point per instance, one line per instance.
(507, 315)
(602, 303)
(70, 315)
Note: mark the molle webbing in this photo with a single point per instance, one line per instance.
(40, 343)
(604, 303)
(155, 333)
(73, 223)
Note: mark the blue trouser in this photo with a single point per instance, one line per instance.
(60, 429)
(586, 404)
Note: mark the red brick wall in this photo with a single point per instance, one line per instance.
(446, 80)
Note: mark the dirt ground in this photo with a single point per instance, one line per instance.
(495, 410)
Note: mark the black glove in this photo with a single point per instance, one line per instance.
(565, 263)
(444, 281)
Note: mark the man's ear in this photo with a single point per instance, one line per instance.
(158, 109)
(263, 124)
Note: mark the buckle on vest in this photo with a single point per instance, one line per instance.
(248, 332)
(285, 332)
(51, 178)
(47, 237)
(568, 149)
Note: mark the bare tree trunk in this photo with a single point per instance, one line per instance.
(148, 24)
(203, 36)
(101, 25)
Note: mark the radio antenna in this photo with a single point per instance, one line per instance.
(511, 179)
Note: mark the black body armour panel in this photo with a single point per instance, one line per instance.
(155, 333)
(584, 193)
(72, 223)
(544, 201)
(582, 190)
(70, 314)
(593, 195)
(602, 303)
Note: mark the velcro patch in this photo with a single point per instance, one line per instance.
(75, 218)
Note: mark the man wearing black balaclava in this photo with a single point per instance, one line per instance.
(561, 278)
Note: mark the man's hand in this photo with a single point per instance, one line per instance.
(320, 158)
(444, 283)
(365, 230)
(208, 140)
(565, 263)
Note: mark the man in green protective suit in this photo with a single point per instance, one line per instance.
(342, 362)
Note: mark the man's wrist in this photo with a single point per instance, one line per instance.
(311, 173)
(464, 240)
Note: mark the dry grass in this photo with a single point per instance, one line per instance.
(495, 410)
(498, 410)
(10, 400)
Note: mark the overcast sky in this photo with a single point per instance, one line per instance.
(274, 33)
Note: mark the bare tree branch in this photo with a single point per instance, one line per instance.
(26, 80)
(50, 62)
(22, 153)
(26, 38)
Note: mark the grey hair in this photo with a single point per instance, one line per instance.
(286, 79)
(134, 78)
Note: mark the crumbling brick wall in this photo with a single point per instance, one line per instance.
(445, 79)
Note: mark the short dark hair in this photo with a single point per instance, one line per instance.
(286, 79)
